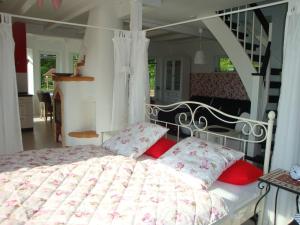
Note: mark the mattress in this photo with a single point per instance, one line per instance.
(235, 196)
(239, 199)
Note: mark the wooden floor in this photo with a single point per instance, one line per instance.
(41, 137)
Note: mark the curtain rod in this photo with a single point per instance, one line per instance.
(62, 22)
(218, 15)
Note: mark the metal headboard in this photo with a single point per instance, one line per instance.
(192, 119)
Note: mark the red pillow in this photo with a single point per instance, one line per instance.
(241, 173)
(160, 147)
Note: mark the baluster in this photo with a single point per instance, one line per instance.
(225, 141)
(238, 24)
(245, 29)
(231, 20)
(245, 148)
(260, 46)
(253, 30)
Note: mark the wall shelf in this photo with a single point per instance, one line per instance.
(73, 78)
(84, 134)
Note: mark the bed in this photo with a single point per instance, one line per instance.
(90, 185)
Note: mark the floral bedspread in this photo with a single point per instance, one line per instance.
(88, 185)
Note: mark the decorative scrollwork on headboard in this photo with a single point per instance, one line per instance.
(191, 116)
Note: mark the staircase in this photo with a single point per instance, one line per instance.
(251, 36)
(252, 30)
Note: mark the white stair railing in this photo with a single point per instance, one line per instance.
(254, 34)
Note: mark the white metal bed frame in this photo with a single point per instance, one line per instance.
(254, 131)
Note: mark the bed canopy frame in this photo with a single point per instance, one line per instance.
(149, 29)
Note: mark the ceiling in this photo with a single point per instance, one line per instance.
(160, 13)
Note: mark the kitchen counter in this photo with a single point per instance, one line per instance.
(24, 94)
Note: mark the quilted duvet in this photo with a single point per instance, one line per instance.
(89, 185)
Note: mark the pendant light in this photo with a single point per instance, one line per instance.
(199, 56)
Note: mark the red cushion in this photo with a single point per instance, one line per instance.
(241, 173)
(160, 147)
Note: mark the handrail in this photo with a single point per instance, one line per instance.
(266, 61)
(261, 17)
(255, 29)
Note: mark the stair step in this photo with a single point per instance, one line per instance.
(276, 71)
(249, 45)
(273, 99)
(272, 106)
(275, 78)
(233, 25)
(241, 35)
(274, 91)
(274, 84)
(256, 58)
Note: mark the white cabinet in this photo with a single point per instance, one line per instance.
(176, 80)
(26, 112)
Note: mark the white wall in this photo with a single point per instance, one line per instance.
(184, 49)
(62, 47)
(188, 48)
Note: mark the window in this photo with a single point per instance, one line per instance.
(74, 60)
(225, 65)
(48, 62)
(152, 74)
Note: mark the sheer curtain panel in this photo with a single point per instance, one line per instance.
(122, 48)
(139, 77)
(10, 128)
(287, 141)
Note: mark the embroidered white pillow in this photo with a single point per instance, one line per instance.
(195, 158)
(135, 140)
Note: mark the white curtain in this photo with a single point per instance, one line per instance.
(139, 77)
(287, 141)
(122, 48)
(10, 129)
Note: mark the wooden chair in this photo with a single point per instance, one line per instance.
(46, 107)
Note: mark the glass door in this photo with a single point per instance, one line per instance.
(47, 62)
(173, 74)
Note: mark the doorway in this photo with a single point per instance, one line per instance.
(152, 65)
(48, 62)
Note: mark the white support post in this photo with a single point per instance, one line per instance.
(238, 24)
(271, 118)
(231, 20)
(136, 15)
(260, 47)
(245, 29)
(267, 78)
(253, 31)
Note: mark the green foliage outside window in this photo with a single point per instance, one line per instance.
(152, 73)
(47, 62)
(225, 65)
(75, 59)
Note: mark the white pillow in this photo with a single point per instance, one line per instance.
(195, 158)
(135, 140)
